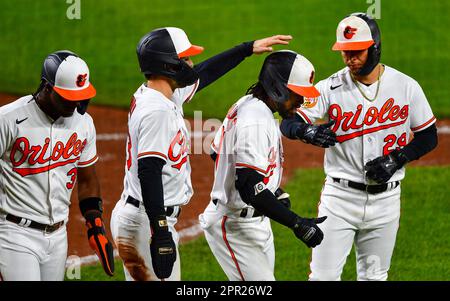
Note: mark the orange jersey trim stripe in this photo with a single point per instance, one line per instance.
(251, 167)
(233, 256)
(303, 115)
(88, 162)
(193, 91)
(423, 125)
(152, 153)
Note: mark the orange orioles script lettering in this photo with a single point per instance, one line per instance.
(179, 140)
(24, 153)
(347, 121)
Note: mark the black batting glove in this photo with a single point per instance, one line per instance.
(306, 230)
(381, 169)
(319, 135)
(283, 197)
(162, 248)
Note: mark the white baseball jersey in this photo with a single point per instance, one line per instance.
(39, 160)
(156, 128)
(248, 138)
(368, 129)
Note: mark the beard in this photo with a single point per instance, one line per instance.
(284, 113)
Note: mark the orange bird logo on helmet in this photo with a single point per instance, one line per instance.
(349, 32)
(81, 80)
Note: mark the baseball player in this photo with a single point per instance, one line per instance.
(248, 171)
(157, 172)
(47, 141)
(373, 108)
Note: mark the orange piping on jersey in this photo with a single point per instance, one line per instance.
(423, 125)
(32, 171)
(224, 236)
(344, 138)
(132, 105)
(88, 162)
(152, 153)
(303, 115)
(192, 92)
(252, 167)
(220, 147)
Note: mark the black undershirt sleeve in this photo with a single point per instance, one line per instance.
(290, 127)
(213, 156)
(218, 65)
(422, 143)
(264, 201)
(150, 178)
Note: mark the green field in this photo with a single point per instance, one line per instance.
(414, 35)
(422, 251)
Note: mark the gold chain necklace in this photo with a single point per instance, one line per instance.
(361, 91)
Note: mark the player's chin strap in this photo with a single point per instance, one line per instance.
(91, 209)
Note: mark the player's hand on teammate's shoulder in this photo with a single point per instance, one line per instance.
(264, 45)
(306, 230)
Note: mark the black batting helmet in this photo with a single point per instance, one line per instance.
(359, 31)
(160, 52)
(284, 71)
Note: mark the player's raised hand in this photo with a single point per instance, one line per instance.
(264, 45)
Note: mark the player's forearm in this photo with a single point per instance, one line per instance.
(150, 177)
(263, 199)
(422, 143)
(218, 65)
(290, 127)
(88, 184)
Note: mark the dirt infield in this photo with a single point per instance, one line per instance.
(111, 125)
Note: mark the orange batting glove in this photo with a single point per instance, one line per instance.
(98, 241)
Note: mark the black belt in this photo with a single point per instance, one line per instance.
(244, 211)
(372, 189)
(169, 210)
(34, 225)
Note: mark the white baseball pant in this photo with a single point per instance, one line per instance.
(370, 221)
(243, 246)
(130, 229)
(28, 254)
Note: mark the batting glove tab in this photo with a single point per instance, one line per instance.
(319, 135)
(383, 168)
(98, 241)
(306, 230)
(283, 197)
(162, 248)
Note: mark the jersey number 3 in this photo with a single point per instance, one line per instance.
(73, 177)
